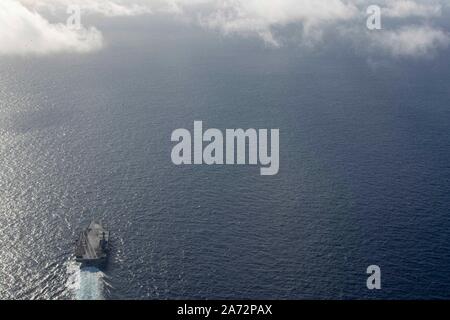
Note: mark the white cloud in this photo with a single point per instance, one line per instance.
(265, 19)
(112, 8)
(413, 41)
(410, 8)
(109, 8)
(261, 16)
(26, 32)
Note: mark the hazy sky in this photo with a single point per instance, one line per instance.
(411, 28)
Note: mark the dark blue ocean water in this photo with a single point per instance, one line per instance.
(364, 170)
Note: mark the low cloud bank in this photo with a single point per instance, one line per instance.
(23, 28)
(23, 31)
(413, 41)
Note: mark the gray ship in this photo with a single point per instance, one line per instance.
(92, 247)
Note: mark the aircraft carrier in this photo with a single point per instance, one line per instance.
(92, 246)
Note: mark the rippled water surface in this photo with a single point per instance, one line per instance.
(364, 175)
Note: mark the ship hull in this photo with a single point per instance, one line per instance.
(92, 247)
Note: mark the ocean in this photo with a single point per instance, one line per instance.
(364, 170)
